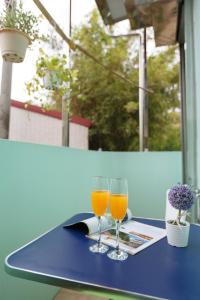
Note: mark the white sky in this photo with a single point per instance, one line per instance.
(59, 9)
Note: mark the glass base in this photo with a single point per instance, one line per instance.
(96, 248)
(118, 255)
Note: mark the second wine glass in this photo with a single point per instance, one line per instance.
(118, 207)
(100, 197)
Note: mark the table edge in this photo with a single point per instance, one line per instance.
(66, 282)
(63, 281)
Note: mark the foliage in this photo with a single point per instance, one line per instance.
(50, 83)
(164, 112)
(112, 104)
(21, 20)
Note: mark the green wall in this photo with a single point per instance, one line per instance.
(41, 186)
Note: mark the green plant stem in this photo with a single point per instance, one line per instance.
(179, 216)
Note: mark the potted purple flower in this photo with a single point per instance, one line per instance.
(181, 197)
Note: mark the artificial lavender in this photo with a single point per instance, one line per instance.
(181, 197)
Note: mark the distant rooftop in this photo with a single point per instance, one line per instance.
(50, 113)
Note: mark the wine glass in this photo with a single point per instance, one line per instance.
(118, 207)
(100, 197)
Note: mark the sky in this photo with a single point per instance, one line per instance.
(59, 10)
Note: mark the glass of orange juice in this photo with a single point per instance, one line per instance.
(99, 197)
(118, 207)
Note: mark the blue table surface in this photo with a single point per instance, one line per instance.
(160, 270)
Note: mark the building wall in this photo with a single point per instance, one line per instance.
(36, 128)
(78, 136)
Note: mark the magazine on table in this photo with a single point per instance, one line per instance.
(134, 236)
(90, 223)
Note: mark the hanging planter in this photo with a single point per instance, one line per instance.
(51, 80)
(17, 30)
(13, 44)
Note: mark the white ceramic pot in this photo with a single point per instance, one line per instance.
(13, 44)
(177, 235)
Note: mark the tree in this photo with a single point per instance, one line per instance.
(111, 104)
(164, 103)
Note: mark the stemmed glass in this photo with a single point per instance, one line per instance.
(118, 207)
(100, 197)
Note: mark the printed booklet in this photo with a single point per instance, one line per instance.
(134, 236)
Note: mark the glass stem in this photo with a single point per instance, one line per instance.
(117, 235)
(99, 230)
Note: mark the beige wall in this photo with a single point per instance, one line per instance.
(36, 128)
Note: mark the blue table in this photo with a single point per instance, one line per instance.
(61, 257)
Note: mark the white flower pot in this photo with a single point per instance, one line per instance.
(177, 235)
(13, 44)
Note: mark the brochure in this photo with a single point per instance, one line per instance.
(90, 223)
(133, 237)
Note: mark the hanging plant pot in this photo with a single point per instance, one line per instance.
(13, 44)
(51, 80)
(177, 235)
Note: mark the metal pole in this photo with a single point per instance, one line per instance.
(66, 98)
(5, 96)
(141, 94)
(143, 105)
(183, 113)
(6, 82)
(145, 113)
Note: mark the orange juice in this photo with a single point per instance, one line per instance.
(118, 206)
(100, 202)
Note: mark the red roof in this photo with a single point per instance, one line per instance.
(50, 113)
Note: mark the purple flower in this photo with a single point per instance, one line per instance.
(181, 196)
